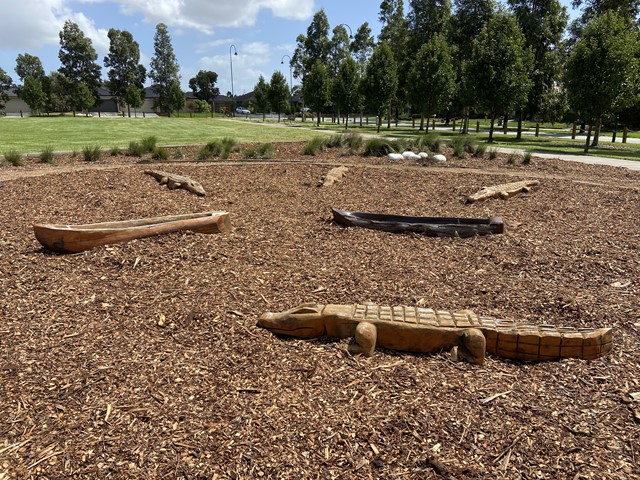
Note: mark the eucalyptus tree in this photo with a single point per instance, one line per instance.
(543, 23)
(498, 72)
(432, 78)
(346, 87)
(313, 46)
(395, 33)
(362, 46)
(29, 66)
(602, 70)
(380, 82)
(427, 18)
(261, 96)
(164, 68)
(278, 93)
(33, 94)
(468, 18)
(203, 85)
(626, 8)
(5, 83)
(78, 61)
(123, 62)
(176, 98)
(315, 88)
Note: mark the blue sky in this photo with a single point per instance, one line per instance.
(202, 31)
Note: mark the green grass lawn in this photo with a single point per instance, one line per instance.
(66, 134)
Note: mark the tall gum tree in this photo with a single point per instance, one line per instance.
(432, 79)
(125, 70)
(380, 82)
(602, 69)
(543, 23)
(78, 61)
(499, 69)
(164, 68)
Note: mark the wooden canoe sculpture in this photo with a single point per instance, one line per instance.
(503, 191)
(430, 226)
(335, 175)
(416, 329)
(78, 238)
(173, 181)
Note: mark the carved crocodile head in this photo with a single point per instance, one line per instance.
(302, 321)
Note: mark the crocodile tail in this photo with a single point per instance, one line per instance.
(546, 342)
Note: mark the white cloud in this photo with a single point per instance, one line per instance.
(203, 15)
(31, 24)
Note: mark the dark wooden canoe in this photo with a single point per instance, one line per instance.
(78, 238)
(430, 226)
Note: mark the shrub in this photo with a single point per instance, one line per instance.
(401, 144)
(313, 146)
(493, 153)
(210, 150)
(378, 147)
(261, 151)
(352, 140)
(458, 146)
(135, 149)
(91, 154)
(12, 157)
(481, 149)
(470, 146)
(228, 144)
(160, 154)
(334, 141)
(74, 153)
(432, 142)
(46, 156)
(513, 156)
(526, 158)
(149, 143)
(115, 151)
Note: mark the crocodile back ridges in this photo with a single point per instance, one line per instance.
(504, 338)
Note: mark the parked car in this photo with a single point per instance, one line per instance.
(306, 110)
(243, 111)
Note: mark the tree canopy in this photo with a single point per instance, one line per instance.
(164, 69)
(203, 85)
(381, 81)
(123, 62)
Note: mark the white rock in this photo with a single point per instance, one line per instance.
(395, 156)
(423, 155)
(409, 155)
(439, 158)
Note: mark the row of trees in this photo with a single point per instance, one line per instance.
(477, 56)
(74, 86)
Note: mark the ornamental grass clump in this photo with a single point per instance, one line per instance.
(91, 154)
(352, 140)
(135, 149)
(210, 150)
(313, 146)
(13, 157)
(262, 151)
(46, 156)
(227, 145)
(459, 147)
(493, 153)
(149, 144)
(160, 154)
(512, 158)
(481, 149)
(526, 157)
(378, 147)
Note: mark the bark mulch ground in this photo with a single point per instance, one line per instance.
(142, 360)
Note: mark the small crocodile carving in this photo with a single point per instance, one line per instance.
(335, 175)
(503, 191)
(174, 181)
(417, 329)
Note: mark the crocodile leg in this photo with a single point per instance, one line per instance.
(364, 339)
(472, 347)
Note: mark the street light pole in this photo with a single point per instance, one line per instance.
(233, 96)
(350, 32)
(290, 71)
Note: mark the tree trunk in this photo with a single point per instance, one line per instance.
(493, 119)
(465, 124)
(519, 134)
(346, 121)
(596, 133)
(421, 121)
(586, 144)
(379, 121)
(389, 117)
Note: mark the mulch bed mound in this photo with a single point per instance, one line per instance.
(142, 360)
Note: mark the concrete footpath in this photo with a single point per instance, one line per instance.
(613, 162)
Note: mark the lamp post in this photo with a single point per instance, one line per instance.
(350, 32)
(233, 96)
(290, 71)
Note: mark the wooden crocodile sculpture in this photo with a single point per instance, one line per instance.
(503, 191)
(174, 181)
(417, 329)
(335, 175)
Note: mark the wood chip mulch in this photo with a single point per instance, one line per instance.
(142, 360)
